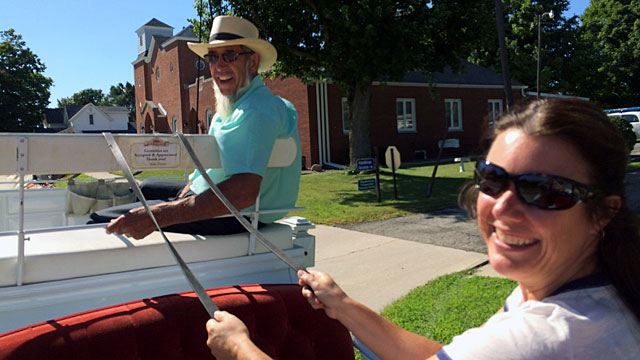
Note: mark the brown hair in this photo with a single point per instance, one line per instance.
(593, 135)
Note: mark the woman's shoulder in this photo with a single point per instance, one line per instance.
(577, 323)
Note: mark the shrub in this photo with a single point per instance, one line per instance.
(626, 130)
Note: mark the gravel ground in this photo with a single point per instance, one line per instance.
(453, 228)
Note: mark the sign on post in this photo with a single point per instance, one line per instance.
(367, 184)
(365, 164)
(392, 158)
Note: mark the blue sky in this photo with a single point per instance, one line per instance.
(91, 43)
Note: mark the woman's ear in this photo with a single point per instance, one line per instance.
(612, 204)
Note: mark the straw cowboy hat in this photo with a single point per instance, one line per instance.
(232, 30)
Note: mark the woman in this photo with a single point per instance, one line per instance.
(550, 204)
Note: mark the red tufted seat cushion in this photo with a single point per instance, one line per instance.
(279, 319)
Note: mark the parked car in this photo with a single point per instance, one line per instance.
(631, 114)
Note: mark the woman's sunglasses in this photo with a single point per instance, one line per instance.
(543, 191)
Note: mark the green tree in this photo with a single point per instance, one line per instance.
(123, 95)
(357, 42)
(83, 97)
(24, 90)
(521, 31)
(608, 61)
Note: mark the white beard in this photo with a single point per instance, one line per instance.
(224, 103)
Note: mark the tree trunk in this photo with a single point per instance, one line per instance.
(359, 97)
(504, 57)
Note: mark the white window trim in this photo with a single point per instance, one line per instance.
(344, 102)
(449, 121)
(174, 122)
(495, 117)
(414, 128)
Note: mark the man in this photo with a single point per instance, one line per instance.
(248, 120)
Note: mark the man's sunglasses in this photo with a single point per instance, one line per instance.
(227, 56)
(543, 191)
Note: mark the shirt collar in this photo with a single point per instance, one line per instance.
(255, 83)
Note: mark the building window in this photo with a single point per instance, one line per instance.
(453, 113)
(200, 64)
(495, 111)
(90, 119)
(175, 124)
(209, 117)
(139, 82)
(345, 116)
(140, 40)
(157, 74)
(406, 115)
(170, 67)
(141, 129)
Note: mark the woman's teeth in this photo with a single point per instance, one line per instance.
(513, 240)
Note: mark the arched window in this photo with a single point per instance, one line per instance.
(158, 74)
(209, 117)
(175, 124)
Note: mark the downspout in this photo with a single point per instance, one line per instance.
(320, 125)
(323, 115)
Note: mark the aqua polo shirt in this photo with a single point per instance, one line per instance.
(245, 142)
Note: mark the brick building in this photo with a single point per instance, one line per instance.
(174, 92)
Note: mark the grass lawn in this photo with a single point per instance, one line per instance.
(332, 197)
(449, 305)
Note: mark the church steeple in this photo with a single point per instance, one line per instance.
(152, 28)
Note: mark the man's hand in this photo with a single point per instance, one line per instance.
(136, 224)
(185, 190)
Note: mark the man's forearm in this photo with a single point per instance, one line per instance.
(241, 190)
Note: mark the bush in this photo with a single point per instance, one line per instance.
(626, 130)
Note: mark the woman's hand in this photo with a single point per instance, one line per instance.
(326, 294)
(229, 338)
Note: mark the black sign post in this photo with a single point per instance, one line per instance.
(378, 194)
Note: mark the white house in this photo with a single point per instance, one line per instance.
(95, 119)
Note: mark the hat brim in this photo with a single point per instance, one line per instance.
(267, 52)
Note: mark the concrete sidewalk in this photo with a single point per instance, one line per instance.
(376, 270)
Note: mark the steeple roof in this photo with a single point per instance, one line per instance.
(157, 23)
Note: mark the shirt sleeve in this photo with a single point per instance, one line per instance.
(529, 334)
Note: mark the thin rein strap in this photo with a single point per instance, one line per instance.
(206, 301)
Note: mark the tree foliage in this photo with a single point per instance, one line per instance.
(596, 55)
(521, 32)
(123, 95)
(24, 90)
(609, 62)
(356, 42)
(83, 97)
(119, 95)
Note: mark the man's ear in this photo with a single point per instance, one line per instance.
(254, 63)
